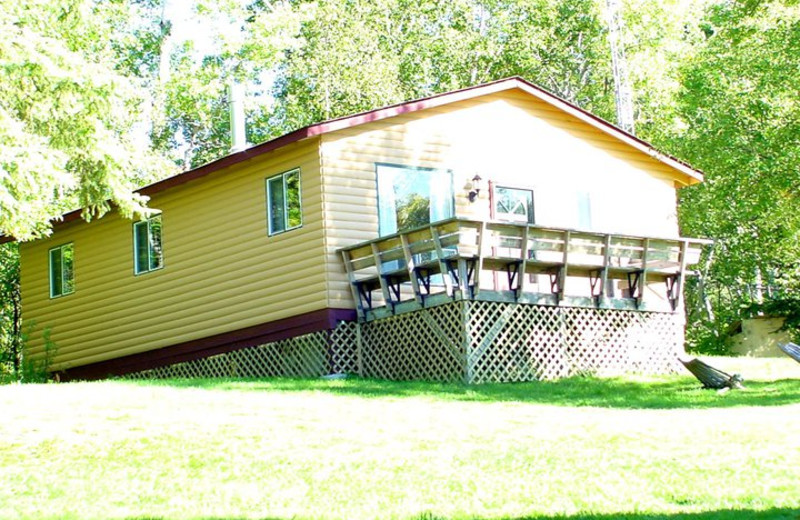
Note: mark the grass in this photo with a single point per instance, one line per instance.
(636, 448)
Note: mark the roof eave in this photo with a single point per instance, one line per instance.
(692, 176)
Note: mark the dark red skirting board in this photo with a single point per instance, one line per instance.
(325, 319)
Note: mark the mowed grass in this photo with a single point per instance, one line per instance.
(636, 448)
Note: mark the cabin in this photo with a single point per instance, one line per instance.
(495, 233)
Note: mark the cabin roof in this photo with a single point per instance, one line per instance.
(378, 114)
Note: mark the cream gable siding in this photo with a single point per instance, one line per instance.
(509, 138)
(221, 271)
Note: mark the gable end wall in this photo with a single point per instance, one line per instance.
(508, 138)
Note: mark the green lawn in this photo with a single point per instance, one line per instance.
(635, 448)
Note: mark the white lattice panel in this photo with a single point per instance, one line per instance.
(513, 342)
(522, 342)
(483, 342)
(611, 342)
(303, 356)
(422, 345)
(477, 342)
(344, 348)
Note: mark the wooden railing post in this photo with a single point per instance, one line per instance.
(348, 267)
(437, 243)
(562, 274)
(601, 298)
(522, 277)
(410, 267)
(479, 260)
(643, 276)
(681, 274)
(387, 298)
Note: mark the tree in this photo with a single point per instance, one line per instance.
(10, 312)
(740, 108)
(659, 39)
(66, 116)
(71, 78)
(353, 56)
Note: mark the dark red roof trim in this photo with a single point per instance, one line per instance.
(402, 108)
(414, 106)
(325, 319)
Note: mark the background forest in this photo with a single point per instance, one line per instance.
(99, 97)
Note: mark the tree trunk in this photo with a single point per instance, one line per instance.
(16, 328)
(623, 93)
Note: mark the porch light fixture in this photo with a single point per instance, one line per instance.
(475, 188)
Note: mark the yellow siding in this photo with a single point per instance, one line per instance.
(509, 138)
(222, 271)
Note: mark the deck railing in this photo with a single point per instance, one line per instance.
(497, 261)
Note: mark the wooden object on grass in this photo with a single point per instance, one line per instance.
(791, 350)
(712, 377)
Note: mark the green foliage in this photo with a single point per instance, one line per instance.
(308, 61)
(413, 211)
(19, 364)
(646, 448)
(66, 116)
(405, 50)
(659, 39)
(740, 105)
(36, 368)
(10, 319)
(194, 127)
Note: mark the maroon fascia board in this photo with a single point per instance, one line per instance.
(305, 133)
(366, 117)
(377, 115)
(325, 319)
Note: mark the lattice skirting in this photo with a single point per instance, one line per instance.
(310, 355)
(510, 342)
(504, 342)
(469, 341)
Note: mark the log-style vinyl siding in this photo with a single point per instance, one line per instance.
(510, 139)
(222, 272)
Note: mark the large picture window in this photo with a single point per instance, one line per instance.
(412, 197)
(62, 274)
(283, 202)
(147, 248)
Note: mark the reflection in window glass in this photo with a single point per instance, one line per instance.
(284, 211)
(62, 275)
(412, 197)
(584, 210)
(514, 204)
(147, 247)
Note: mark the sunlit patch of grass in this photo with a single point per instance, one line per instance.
(637, 448)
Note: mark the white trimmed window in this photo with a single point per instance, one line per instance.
(283, 202)
(62, 274)
(148, 254)
(513, 204)
(410, 197)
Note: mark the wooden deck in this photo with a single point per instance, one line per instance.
(460, 259)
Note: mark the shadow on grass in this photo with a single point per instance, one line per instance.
(669, 392)
(739, 514)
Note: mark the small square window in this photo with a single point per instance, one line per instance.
(62, 271)
(148, 253)
(513, 204)
(283, 202)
